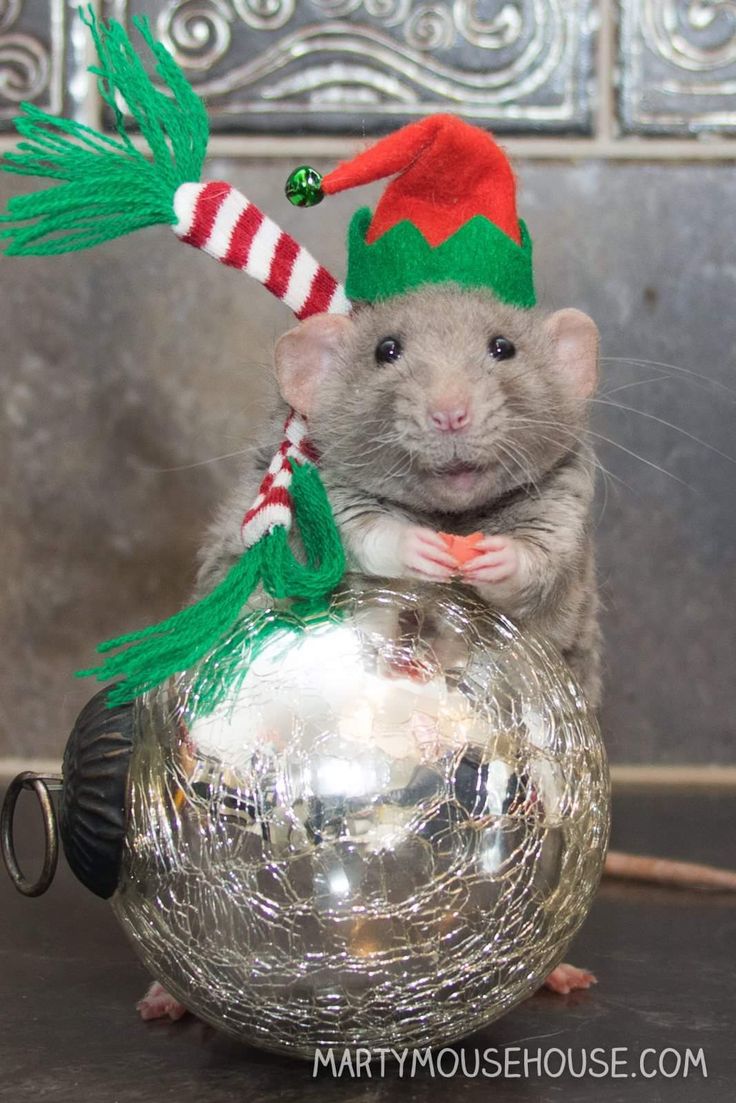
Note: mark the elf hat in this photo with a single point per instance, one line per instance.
(449, 214)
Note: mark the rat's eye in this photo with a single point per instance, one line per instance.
(388, 350)
(501, 348)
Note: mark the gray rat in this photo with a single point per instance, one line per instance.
(444, 410)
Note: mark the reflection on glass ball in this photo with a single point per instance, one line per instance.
(385, 835)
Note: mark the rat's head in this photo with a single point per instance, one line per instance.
(442, 398)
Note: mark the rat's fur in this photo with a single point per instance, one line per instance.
(521, 469)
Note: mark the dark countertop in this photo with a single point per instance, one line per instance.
(664, 959)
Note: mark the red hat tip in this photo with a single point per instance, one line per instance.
(446, 171)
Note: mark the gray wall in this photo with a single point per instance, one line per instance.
(123, 366)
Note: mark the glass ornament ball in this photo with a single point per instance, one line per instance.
(384, 835)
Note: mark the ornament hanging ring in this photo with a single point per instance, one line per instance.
(41, 786)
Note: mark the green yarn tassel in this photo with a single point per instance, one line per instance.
(218, 679)
(148, 657)
(110, 188)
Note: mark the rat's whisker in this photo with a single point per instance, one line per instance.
(401, 468)
(346, 441)
(604, 504)
(700, 383)
(514, 460)
(197, 463)
(636, 362)
(640, 383)
(506, 468)
(668, 424)
(642, 459)
(594, 459)
(522, 459)
(535, 422)
(366, 458)
(609, 477)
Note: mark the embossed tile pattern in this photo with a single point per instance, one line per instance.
(42, 57)
(678, 66)
(290, 66)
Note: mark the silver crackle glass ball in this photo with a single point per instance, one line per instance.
(385, 834)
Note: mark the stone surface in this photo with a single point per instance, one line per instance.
(68, 984)
(678, 66)
(42, 57)
(124, 367)
(368, 65)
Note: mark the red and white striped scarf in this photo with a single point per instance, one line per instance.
(218, 219)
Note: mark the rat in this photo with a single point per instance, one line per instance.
(438, 414)
(443, 410)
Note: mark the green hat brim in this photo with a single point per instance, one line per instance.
(478, 255)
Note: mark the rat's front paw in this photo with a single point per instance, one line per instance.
(424, 554)
(497, 559)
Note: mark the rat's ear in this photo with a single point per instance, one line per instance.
(576, 340)
(306, 354)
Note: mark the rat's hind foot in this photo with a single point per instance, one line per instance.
(158, 1004)
(568, 978)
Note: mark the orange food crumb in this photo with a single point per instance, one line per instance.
(462, 548)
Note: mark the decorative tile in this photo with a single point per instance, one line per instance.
(296, 66)
(678, 65)
(42, 57)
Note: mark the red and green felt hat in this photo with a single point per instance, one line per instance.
(448, 215)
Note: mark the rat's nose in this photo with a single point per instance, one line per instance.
(450, 420)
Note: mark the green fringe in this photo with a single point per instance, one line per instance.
(110, 188)
(200, 633)
(217, 680)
